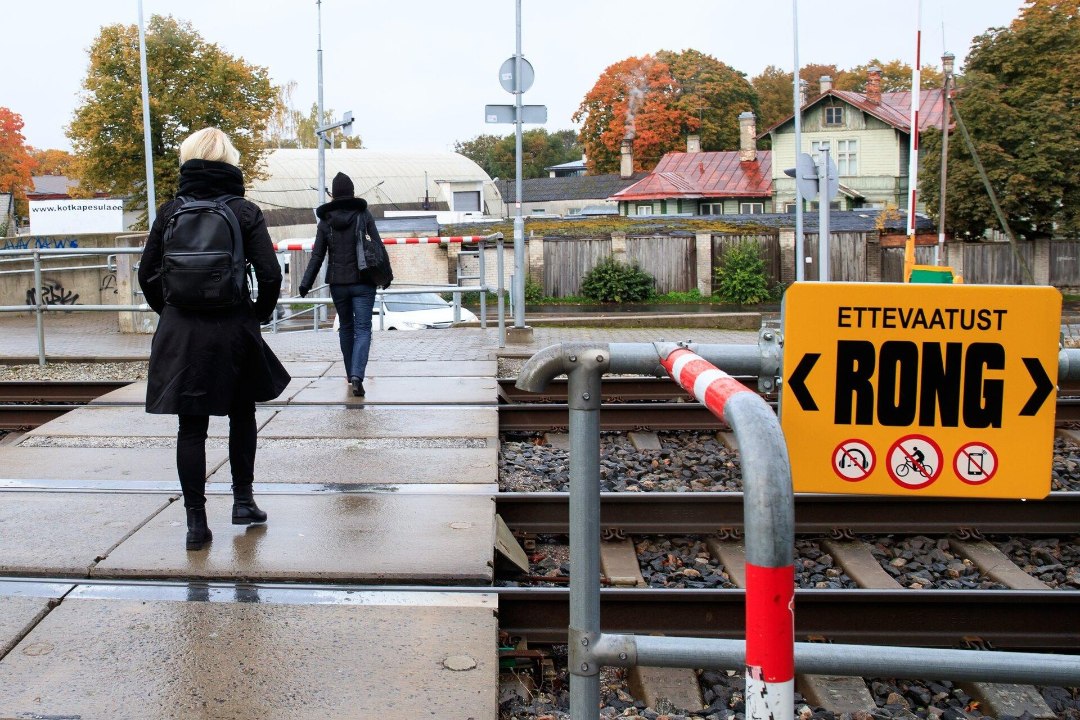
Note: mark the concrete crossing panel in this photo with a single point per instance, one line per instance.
(423, 368)
(356, 537)
(417, 421)
(347, 463)
(135, 393)
(402, 391)
(97, 464)
(128, 422)
(368, 657)
(63, 534)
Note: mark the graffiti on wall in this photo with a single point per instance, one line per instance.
(108, 280)
(52, 293)
(42, 243)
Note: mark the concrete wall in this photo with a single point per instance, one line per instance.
(64, 283)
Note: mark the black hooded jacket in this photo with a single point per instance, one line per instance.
(208, 362)
(336, 236)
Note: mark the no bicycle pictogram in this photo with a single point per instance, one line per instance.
(975, 463)
(853, 460)
(914, 462)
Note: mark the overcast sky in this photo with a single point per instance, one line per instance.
(417, 73)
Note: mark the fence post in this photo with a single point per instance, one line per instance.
(39, 309)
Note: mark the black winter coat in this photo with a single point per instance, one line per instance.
(207, 362)
(336, 235)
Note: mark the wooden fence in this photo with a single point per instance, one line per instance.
(853, 257)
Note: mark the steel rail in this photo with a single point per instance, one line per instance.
(1006, 619)
(836, 515)
(68, 391)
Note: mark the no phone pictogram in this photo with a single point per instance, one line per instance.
(853, 460)
(914, 462)
(975, 463)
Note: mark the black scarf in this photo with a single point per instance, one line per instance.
(206, 178)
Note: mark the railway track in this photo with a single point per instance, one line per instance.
(629, 404)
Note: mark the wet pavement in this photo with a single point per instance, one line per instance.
(104, 614)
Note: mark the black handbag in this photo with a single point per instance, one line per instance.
(371, 255)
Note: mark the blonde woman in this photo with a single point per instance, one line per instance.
(213, 361)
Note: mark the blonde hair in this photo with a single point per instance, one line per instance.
(209, 144)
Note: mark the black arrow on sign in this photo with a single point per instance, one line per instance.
(1043, 386)
(797, 381)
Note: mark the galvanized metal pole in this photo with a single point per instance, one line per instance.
(500, 247)
(913, 155)
(823, 216)
(39, 309)
(947, 69)
(148, 154)
(321, 138)
(585, 366)
(517, 288)
(800, 251)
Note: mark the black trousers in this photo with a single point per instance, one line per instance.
(191, 452)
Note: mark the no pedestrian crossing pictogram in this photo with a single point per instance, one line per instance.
(914, 461)
(853, 460)
(975, 463)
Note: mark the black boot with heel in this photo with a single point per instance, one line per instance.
(244, 509)
(198, 534)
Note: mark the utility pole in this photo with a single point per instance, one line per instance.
(946, 70)
(151, 200)
(321, 139)
(800, 253)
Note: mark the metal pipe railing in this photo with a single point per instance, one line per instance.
(768, 653)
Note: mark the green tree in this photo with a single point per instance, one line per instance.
(895, 77)
(1019, 103)
(539, 150)
(192, 84)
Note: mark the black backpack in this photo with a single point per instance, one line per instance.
(202, 259)
(371, 255)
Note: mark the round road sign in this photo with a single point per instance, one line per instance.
(853, 460)
(975, 463)
(506, 75)
(914, 462)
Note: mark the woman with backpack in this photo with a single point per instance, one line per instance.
(344, 226)
(208, 356)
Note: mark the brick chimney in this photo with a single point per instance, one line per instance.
(626, 159)
(693, 143)
(802, 93)
(825, 84)
(873, 84)
(747, 137)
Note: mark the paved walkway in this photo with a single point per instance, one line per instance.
(85, 336)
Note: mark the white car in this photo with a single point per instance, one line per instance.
(415, 311)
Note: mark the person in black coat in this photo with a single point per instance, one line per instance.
(207, 362)
(351, 288)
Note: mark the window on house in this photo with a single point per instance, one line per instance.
(834, 115)
(574, 211)
(847, 157)
(537, 211)
(790, 208)
(751, 208)
(817, 146)
(816, 206)
(644, 210)
(706, 208)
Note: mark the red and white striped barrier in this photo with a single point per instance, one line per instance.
(770, 591)
(306, 243)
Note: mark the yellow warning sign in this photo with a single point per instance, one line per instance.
(936, 390)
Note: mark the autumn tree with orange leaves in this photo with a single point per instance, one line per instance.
(634, 100)
(16, 165)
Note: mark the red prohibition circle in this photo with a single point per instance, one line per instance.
(987, 477)
(868, 467)
(907, 468)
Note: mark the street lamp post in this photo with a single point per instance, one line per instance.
(947, 70)
(321, 131)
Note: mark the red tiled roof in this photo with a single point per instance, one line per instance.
(894, 108)
(704, 174)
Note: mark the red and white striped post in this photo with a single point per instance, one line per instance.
(770, 571)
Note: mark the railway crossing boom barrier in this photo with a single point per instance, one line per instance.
(769, 654)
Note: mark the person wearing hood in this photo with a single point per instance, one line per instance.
(213, 361)
(352, 289)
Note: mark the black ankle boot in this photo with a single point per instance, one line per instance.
(198, 534)
(244, 509)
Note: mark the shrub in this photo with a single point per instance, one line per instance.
(741, 278)
(534, 291)
(611, 281)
